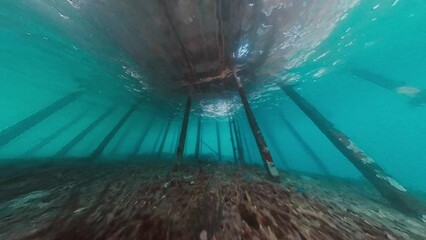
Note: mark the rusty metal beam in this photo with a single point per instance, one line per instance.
(260, 140)
(390, 189)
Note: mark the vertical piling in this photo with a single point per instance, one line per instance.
(395, 193)
(219, 150)
(198, 143)
(67, 147)
(232, 140)
(24, 125)
(183, 132)
(101, 147)
(165, 135)
(305, 146)
(260, 141)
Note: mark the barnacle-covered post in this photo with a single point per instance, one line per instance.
(260, 141)
(394, 192)
(101, 147)
(183, 132)
(24, 125)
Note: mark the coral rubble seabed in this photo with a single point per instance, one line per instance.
(130, 200)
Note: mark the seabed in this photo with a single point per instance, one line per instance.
(201, 200)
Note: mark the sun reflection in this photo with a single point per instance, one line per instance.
(217, 108)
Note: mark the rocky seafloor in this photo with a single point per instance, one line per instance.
(131, 200)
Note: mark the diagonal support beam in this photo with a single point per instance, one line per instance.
(260, 140)
(65, 149)
(390, 189)
(305, 146)
(101, 147)
(54, 135)
(24, 125)
(183, 132)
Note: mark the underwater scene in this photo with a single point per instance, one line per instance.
(212, 119)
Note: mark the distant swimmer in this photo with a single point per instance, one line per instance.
(418, 95)
(407, 90)
(377, 79)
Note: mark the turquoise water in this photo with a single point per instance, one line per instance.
(349, 76)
